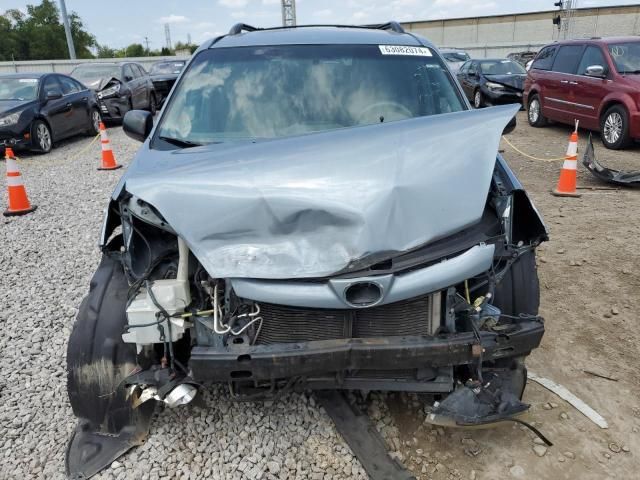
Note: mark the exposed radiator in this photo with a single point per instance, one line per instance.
(283, 324)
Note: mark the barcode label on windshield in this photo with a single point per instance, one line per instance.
(404, 50)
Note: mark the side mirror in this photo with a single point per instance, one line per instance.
(511, 126)
(53, 95)
(128, 78)
(137, 124)
(595, 71)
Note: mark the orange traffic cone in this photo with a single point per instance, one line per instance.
(108, 160)
(18, 200)
(568, 174)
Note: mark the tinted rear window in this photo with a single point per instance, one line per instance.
(568, 58)
(545, 59)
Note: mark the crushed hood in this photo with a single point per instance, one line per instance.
(98, 84)
(311, 205)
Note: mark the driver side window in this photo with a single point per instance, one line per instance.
(128, 73)
(51, 85)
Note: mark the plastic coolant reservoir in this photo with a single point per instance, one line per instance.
(173, 295)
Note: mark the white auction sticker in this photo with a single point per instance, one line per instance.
(404, 50)
(28, 80)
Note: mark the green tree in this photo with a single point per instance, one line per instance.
(104, 51)
(9, 43)
(185, 46)
(39, 34)
(135, 50)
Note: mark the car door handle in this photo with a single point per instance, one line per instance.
(69, 105)
(574, 83)
(564, 81)
(84, 99)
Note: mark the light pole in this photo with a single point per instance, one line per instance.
(67, 30)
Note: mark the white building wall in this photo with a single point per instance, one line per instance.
(499, 35)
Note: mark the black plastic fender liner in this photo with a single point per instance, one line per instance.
(97, 362)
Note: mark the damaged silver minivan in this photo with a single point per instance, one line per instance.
(315, 208)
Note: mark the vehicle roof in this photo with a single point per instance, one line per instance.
(318, 35)
(603, 40)
(24, 75)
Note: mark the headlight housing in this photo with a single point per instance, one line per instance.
(109, 92)
(9, 120)
(494, 87)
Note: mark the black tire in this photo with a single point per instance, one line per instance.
(614, 128)
(94, 128)
(42, 139)
(153, 103)
(478, 99)
(534, 112)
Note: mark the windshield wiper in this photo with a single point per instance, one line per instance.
(178, 142)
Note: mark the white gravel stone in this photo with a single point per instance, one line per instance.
(48, 258)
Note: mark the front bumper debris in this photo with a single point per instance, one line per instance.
(608, 175)
(113, 108)
(285, 360)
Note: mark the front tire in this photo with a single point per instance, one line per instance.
(42, 138)
(614, 128)
(534, 112)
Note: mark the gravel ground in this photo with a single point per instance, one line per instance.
(48, 258)
(590, 279)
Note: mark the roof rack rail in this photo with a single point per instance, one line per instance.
(242, 27)
(392, 25)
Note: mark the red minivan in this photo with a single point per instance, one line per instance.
(596, 81)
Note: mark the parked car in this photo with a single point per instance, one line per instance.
(120, 87)
(454, 57)
(163, 75)
(523, 58)
(303, 214)
(39, 109)
(595, 81)
(492, 81)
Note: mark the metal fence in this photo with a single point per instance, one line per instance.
(65, 66)
(497, 51)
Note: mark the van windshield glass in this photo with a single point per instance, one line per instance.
(626, 57)
(275, 91)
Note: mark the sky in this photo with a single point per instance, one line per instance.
(118, 23)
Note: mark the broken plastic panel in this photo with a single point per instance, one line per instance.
(608, 175)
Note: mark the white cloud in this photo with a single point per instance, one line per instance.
(238, 14)
(271, 2)
(233, 3)
(173, 19)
